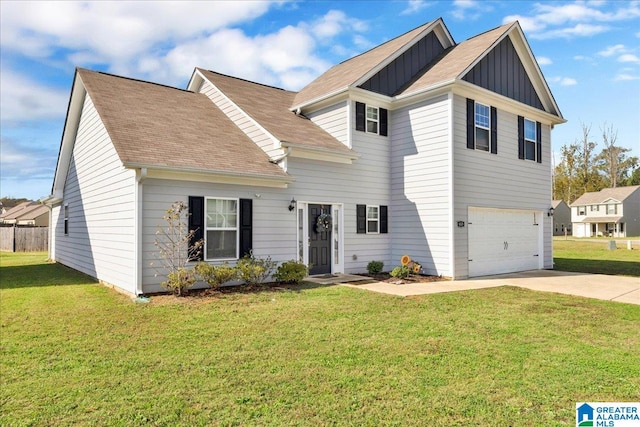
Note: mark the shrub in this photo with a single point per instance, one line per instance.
(179, 280)
(216, 275)
(375, 267)
(400, 272)
(291, 272)
(254, 271)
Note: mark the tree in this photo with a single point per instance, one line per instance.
(613, 161)
(588, 178)
(565, 174)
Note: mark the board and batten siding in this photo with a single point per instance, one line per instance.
(420, 185)
(99, 192)
(501, 180)
(258, 135)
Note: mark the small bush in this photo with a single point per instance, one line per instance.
(291, 272)
(401, 272)
(375, 267)
(254, 271)
(179, 281)
(216, 275)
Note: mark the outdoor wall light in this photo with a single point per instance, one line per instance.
(292, 204)
(550, 213)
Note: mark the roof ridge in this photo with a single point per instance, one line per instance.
(246, 80)
(488, 31)
(426, 24)
(104, 73)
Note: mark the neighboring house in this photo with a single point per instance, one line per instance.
(420, 146)
(613, 212)
(29, 214)
(561, 218)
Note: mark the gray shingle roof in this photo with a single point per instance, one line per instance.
(160, 126)
(351, 70)
(456, 59)
(269, 106)
(597, 197)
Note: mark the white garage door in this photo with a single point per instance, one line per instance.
(504, 241)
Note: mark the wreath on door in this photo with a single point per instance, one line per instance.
(323, 223)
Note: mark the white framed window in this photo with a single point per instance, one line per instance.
(221, 228)
(612, 209)
(66, 220)
(483, 126)
(530, 139)
(372, 119)
(581, 210)
(373, 219)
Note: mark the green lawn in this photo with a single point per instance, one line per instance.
(76, 353)
(595, 257)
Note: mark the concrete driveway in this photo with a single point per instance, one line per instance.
(599, 286)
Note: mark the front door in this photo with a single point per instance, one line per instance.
(319, 241)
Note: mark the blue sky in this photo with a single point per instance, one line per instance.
(589, 52)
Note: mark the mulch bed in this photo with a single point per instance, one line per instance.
(414, 278)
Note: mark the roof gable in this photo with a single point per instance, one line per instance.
(357, 70)
(501, 71)
(405, 67)
(619, 194)
(269, 106)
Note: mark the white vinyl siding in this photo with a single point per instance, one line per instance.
(419, 213)
(99, 193)
(257, 134)
(333, 120)
(498, 181)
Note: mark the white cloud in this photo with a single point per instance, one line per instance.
(543, 60)
(628, 57)
(23, 99)
(335, 22)
(625, 77)
(564, 81)
(414, 6)
(570, 20)
(469, 9)
(612, 50)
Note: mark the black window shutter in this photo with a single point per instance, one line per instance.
(471, 124)
(494, 130)
(196, 224)
(246, 227)
(360, 116)
(383, 121)
(520, 137)
(539, 142)
(361, 215)
(384, 222)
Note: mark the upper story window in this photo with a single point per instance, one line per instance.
(483, 126)
(595, 208)
(371, 119)
(530, 139)
(612, 209)
(581, 210)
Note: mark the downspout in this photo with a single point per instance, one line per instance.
(277, 160)
(141, 175)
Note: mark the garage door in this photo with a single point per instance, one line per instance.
(503, 241)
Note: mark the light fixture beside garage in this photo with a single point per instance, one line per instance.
(550, 212)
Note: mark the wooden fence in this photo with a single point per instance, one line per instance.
(24, 239)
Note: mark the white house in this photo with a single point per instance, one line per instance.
(420, 146)
(561, 218)
(611, 212)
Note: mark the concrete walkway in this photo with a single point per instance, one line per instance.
(599, 286)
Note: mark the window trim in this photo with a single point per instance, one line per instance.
(207, 229)
(367, 119)
(377, 220)
(477, 126)
(527, 140)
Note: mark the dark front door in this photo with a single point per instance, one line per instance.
(319, 241)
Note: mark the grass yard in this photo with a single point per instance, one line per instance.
(76, 353)
(595, 257)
